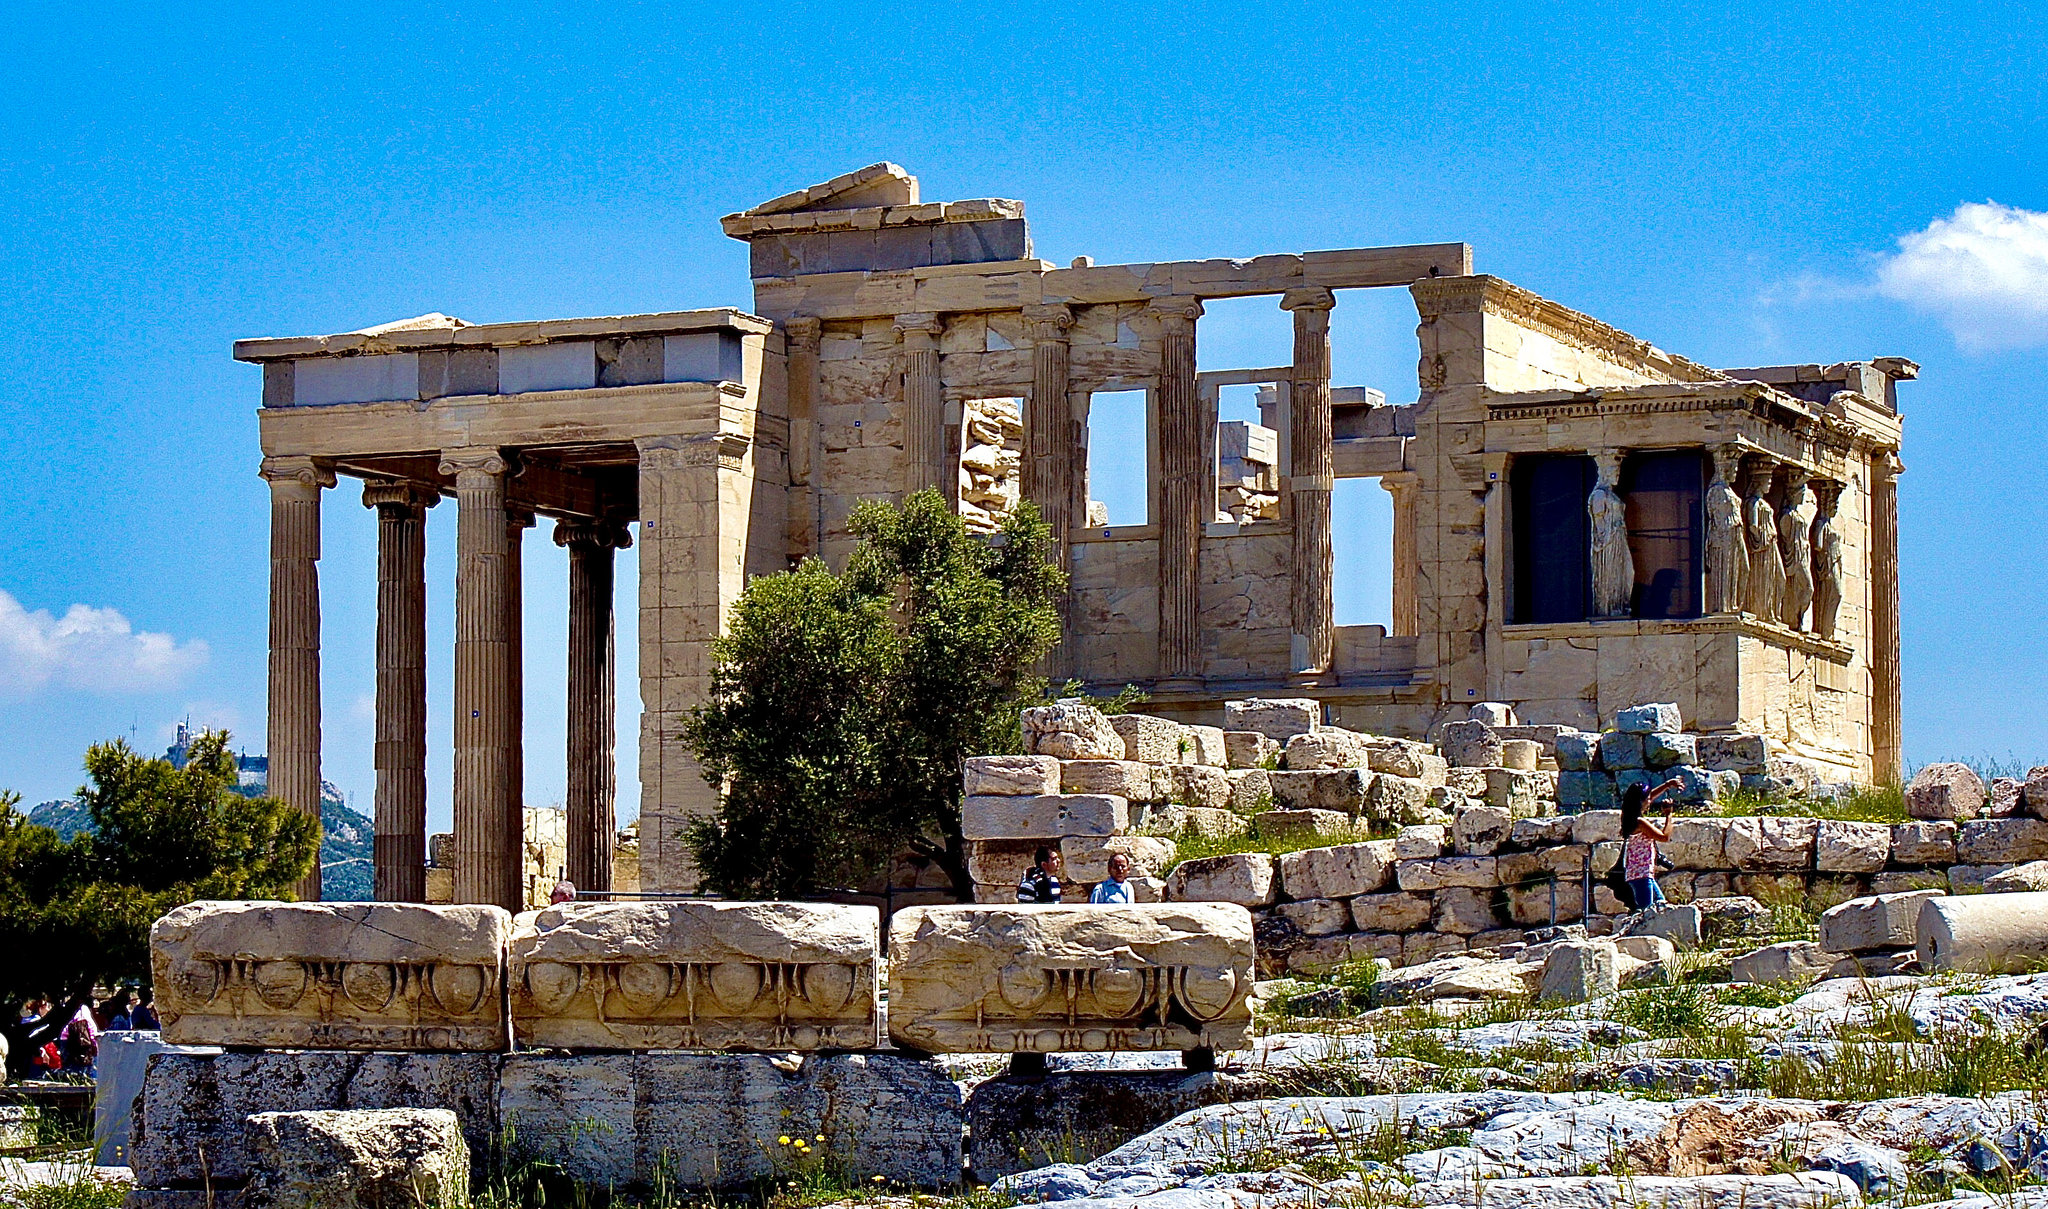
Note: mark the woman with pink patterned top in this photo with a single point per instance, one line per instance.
(1640, 838)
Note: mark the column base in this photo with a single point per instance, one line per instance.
(1180, 684)
(1309, 678)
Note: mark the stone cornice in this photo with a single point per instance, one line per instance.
(871, 218)
(1438, 296)
(1745, 624)
(498, 335)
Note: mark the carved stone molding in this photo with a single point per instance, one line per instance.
(605, 534)
(1308, 298)
(1048, 321)
(803, 332)
(399, 493)
(725, 450)
(312, 472)
(1176, 313)
(457, 462)
(1438, 296)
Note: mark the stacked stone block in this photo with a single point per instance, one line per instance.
(1648, 746)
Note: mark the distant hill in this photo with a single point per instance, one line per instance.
(345, 846)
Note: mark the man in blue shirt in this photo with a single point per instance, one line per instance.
(1116, 888)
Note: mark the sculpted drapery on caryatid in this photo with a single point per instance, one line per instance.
(1614, 571)
(1727, 552)
(347, 976)
(1827, 560)
(1795, 546)
(771, 976)
(1766, 580)
(1047, 979)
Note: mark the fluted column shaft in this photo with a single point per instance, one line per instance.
(1181, 509)
(486, 864)
(1404, 486)
(593, 775)
(294, 710)
(1049, 451)
(1886, 718)
(399, 855)
(1313, 477)
(924, 404)
(517, 522)
(803, 337)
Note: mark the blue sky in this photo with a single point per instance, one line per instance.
(1730, 182)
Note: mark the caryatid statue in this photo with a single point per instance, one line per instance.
(1765, 581)
(1727, 552)
(1614, 570)
(1795, 545)
(1827, 560)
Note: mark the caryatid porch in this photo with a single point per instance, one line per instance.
(592, 423)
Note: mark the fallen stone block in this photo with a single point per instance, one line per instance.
(1200, 785)
(1046, 817)
(1206, 747)
(1244, 878)
(712, 1121)
(1724, 916)
(1945, 791)
(1475, 872)
(1602, 826)
(2002, 841)
(1251, 790)
(1003, 863)
(2034, 792)
(1019, 1124)
(1070, 730)
(1703, 843)
(117, 1080)
(2020, 879)
(1918, 879)
(1983, 934)
(1342, 871)
(1793, 962)
(1174, 976)
(1649, 719)
(1124, 779)
(1321, 789)
(1010, 776)
(1621, 751)
(1678, 923)
(1401, 800)
(1396, 912)
(1249, 749)
(1520, 754)
(1518, 792)
(1277, 718)
(1920, 844)
(1541, 832)
(1851, 847)
(2005, 797)
(1470, 744)
(1327, 748)
(1463, 911)
(1216, 823)
(1298, 824)
(1423, 841)
(1580, 792)
(1152, 740)
(1481, 830)
(1769, 842)
(1578, 750)
(1882, 921)
(1317, 916)
(363, 976)
(188, 1125)
(1086, 858)
(1577, 970)
(1662, 750)
(1731, 753)
(389, 1158)
(1970, 879)
(775, 976)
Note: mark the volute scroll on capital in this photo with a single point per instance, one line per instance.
(1176, 314)
(313, 472)
(399, 493)
(491, 461)
(601, 534)
(1308, 298)
(1048, 321)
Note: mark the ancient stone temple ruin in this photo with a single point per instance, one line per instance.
(1582, 521)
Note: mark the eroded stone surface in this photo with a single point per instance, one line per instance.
(696, 975)
(363, 976)
(378, 1158)
(1045, 979)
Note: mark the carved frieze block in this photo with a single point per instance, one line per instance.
(351, 976)
(1048, 979)
(773, 976)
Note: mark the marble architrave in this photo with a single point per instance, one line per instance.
(346, 976)
(775, 976)
(1055, 978)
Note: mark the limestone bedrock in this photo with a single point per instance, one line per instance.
(774, 976)
(347, 976)
(1052, 978)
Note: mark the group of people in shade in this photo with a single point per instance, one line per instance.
(76, 1048)
(1041, 882)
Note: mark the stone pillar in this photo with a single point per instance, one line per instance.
(1181, 508)
(1887, 732)
(294, 715)
(1826, 545)
(592, 781)
(802, 336)
(1313, 477)
(1795, 549)
(1614, 568)
(1049, 440)
(1405, 486)
(517, 522)
(487, 842)
(1727, 552)
(400, 853)
(924, 404)
(1765, 587)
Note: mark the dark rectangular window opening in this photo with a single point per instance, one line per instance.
(1663, 497)
(1552, 560)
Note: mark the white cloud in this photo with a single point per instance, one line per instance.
(87, 648)
(1983, 271)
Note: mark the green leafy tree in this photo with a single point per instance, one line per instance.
(78, 912)
(841, 706)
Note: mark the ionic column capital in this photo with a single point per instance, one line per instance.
(1048, 321)
(1177, 314)
(803, 332)
(1308, 298)
(311, 472)
(919, 331)
(595, 534)
(476, 460)
(1401, 484)
(399, 493)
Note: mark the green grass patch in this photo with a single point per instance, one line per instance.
(1862, 804)
(1195, 847)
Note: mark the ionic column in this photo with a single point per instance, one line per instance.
(593, 775)
(294, 714)
(486, 840)
(400, 851)
(924, 404)
(1313, 477)
(1181, 508)
(1048, 470)
(1404, 486)
(1887, 731)
(517, 522)
(802, 338)
(1614, 568)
